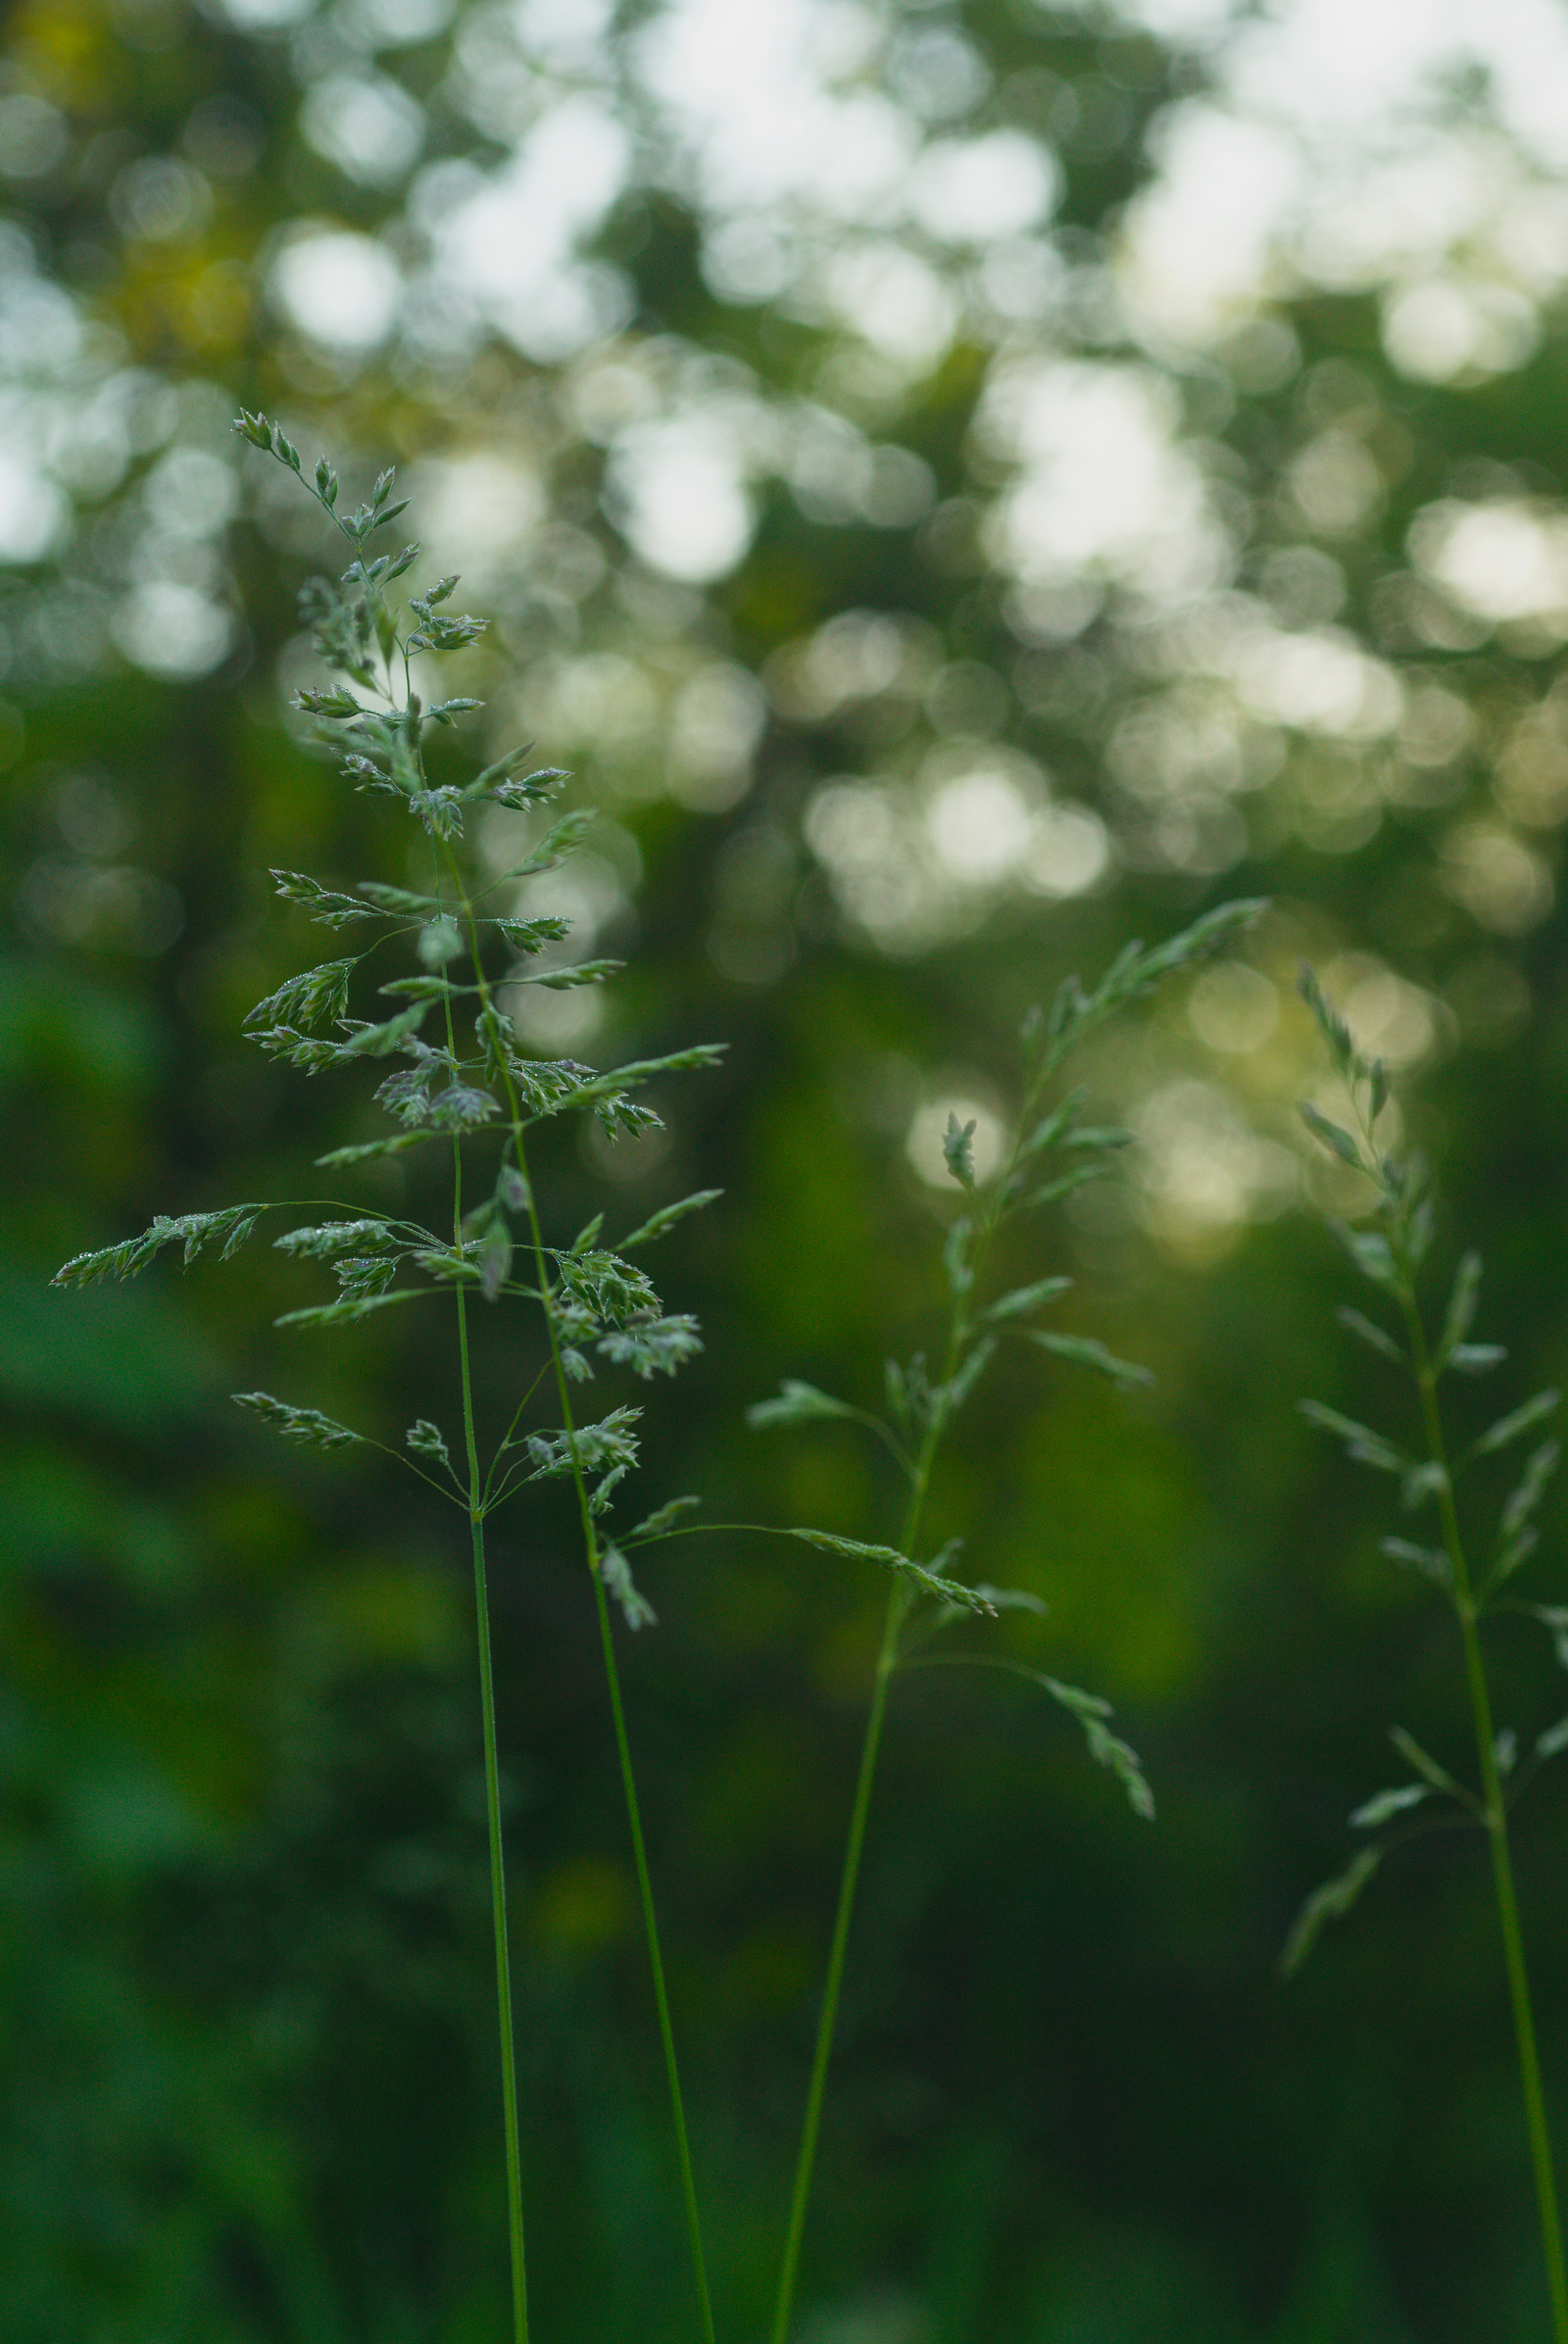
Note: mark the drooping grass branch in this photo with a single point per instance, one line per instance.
(1390, 1254)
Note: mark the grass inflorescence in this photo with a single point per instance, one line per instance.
(1052, 1151)
(1430, 1475)
(459, 1081)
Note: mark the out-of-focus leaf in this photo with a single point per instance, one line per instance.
(1086, 1351)
(1328, 1903)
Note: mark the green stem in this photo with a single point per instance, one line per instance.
(854, 1849)
(887, 1661)
(612, 1670)
(828, 2020)
(497, 1876)
(645, 1890)
(1494, 1816)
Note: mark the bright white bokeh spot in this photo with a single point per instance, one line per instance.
(34, 135)
(512, 242)
(340, 290)
(912, 865)
(174, 631)
(850, 657)
(1503, 559)
(32, 512)
(1344, 67)
(390, 22)
(1322, 683)
(1502, 883)
(1335, 482)
(40, 325)
(1329, 146)
(1068, 852)
(1233, 1009)
(894, 300)
(1020, 277)
(1178, 20)
(937, 72)
(481, 510)
(745, 259)
(683, 498)
(879, 865)
(565, 31)
(866, 156)
(716, 725)
(1204, 1169)
(849, 823)
(749, 92)
(189, 493)
(1197, 242)
(928, 1127)
(1382, 212)
(1429, 330)
(266, 16)
(587, 892)
(600, 699)
(367, 124)
(1444, 328)
(1104, 487)
(973, 190)
(980, 825)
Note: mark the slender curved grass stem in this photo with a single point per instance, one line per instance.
(666, 2033)
(1494, 1807)
(1494, 1817)
(1089, 1013)
(854, 1848)
(612, 1669)
(492, 1801)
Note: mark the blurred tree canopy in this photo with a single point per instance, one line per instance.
(963, 483)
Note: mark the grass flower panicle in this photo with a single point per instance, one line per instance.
(1390, 1255)
(1050, 1153)
(459, 1081)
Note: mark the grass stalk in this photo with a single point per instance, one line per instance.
(1390, 1258)
(1049, 1039)
(492, 1802)
(666, 2033)
(897, 1606)
(498, 1908)
(848, 1881)
(382, 749)
(628, 1779)
(827, 2021)
(1495, 1815)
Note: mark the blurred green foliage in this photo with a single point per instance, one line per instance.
(250, 2077)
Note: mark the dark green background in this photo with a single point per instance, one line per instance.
(250, 2068)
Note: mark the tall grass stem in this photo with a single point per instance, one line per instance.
(1494, 1812)
(666, 2033)
(855, 1844)
(656, 1959)
(827, 2022)
(498, 1874)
